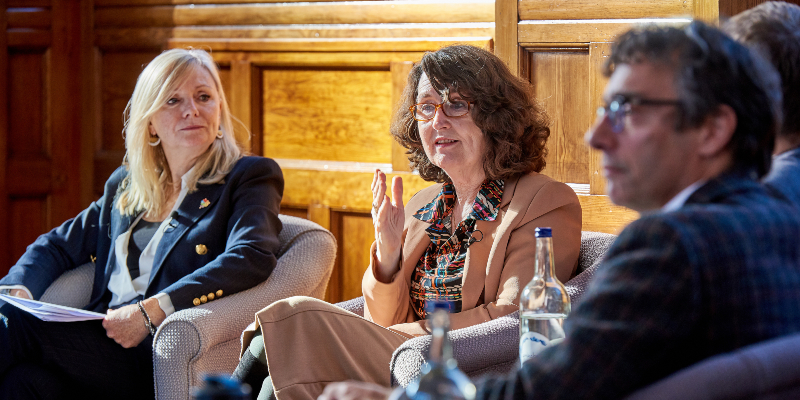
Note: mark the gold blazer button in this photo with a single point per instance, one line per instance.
(219, 293)
(196, 301)
(201, 249)
(210, 296)
(203, 299)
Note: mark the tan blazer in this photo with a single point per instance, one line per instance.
(496, 268)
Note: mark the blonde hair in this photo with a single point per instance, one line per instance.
(149, 176)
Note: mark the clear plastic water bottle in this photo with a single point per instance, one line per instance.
(544, 302)
(440, 378)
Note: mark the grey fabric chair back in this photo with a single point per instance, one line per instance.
(493, 346)
(766, 370)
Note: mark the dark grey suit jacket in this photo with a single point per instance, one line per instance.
(720, 273)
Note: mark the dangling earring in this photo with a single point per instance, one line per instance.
(154, 140)
(219, 134)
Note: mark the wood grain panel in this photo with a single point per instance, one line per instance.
(296, 13)
(27, 98)
(28, 217)
(340, 115)
(601, 215)
(28, 3)
(117, 37)
(400, 71)
(706, 10)
(546, 32)
(239, 90)
(327, 45)
(598, 53)
(106, 3)
(563, 88)
(594, 9)
(65, 106)
(29, 38)
(119, 72)
(105, 162)
(342, 190)
(355, 238)
(29, 176)
(299, 212)
(29, 17)
(506, 43)
(357, 60)
(5, 246)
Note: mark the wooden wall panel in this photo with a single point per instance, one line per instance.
(118, 72)
(506, 44)
(563, 88)
(41, 163)
(601, 215)
(593, 9)
(106, 3)
(354, 234)
(729, 8)
(27, 99)
(28, 218)
(5, 247)
(318, 114)
(293, 13)
(157, 37)
(341, 189)
(598, 53)
(299, 212)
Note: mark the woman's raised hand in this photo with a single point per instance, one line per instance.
(388, 218)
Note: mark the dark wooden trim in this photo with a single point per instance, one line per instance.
(256, 110)
(5, 250)
(64, 105)
(90, 93)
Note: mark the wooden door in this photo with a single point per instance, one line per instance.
(43, 148)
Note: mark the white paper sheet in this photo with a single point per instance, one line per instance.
(51, 312)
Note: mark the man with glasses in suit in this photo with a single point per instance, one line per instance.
(712, 265)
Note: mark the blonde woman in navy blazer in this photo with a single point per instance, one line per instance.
(208, 227)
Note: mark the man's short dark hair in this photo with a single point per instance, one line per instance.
(504, 108)
(711, 70)
(774, 28)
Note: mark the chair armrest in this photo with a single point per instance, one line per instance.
(355, 306)
(73, 288)
(490, 346)
(765, 370)
(206, 338)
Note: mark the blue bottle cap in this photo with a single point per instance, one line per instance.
(544, 232)
(434, 305)
(221, 387)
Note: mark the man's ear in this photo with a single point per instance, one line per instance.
(717, 131)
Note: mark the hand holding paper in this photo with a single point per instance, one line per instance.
(50, 312)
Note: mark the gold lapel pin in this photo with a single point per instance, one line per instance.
(205, 203)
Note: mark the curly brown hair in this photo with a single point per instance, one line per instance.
(514, 124)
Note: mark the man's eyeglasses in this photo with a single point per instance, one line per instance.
(622, 105)
(426, 111)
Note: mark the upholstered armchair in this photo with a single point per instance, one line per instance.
(490, 347)
(205, 339)
(767, 370)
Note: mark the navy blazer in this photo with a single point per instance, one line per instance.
(239, 228)
(718, 274)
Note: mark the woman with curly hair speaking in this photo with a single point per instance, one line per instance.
(476, 130)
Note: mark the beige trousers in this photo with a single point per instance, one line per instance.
(310, 343)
